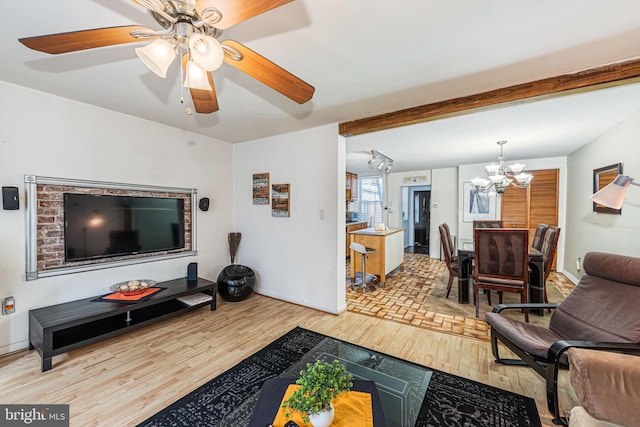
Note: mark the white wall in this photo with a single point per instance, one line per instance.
(593, 231)
(296, 259)
(444, 206)
(45, 135)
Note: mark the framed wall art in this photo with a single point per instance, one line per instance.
(260, 188)
(478, 204)
(601, 178)
(280, 197)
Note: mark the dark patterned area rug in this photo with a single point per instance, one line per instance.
(229, 399)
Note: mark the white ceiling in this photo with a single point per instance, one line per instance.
(364, 57)
(545, 128)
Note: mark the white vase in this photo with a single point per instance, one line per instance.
(322, 418)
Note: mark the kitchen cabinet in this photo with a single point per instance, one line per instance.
(351, 185)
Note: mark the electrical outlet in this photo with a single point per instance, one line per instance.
(578, 264)
(8, 305)
(321, 213)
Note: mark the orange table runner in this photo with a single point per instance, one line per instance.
(119, 296)
(352, 409)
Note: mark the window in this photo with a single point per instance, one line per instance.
(370, 199)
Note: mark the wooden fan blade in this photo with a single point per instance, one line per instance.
(274, 76)
(204, 101)
(85, 39)
(235, 11)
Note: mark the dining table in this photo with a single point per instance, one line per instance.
(536, 276)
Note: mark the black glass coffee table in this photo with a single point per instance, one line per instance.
(401, 385)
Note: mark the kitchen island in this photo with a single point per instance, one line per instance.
(353, 226)
(389, 255)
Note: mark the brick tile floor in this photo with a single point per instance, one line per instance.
(406, 291)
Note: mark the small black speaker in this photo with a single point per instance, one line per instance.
(10, 200)
(192, 272)
(204, 204)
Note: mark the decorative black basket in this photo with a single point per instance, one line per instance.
(236, 282)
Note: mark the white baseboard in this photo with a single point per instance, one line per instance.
(570, 277)
(298, 301)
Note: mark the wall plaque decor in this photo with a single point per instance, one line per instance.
(280, 195)
(260, 188)
(601, 178)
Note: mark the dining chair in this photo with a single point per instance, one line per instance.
(501, 262)
(548, 249)
(447, 230)
(487, 224)
(447, 250)
(538, 237)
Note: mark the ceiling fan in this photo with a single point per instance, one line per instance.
(191, 29)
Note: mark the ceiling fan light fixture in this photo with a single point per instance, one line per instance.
(210, 15)
(206, 51)
(196, 77)
(157, 56)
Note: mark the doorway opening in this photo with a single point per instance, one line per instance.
(416, 218)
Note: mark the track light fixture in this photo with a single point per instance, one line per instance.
(380, 161)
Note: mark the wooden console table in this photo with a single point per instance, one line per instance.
(64, 327)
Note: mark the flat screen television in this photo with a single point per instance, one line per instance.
(103, 226)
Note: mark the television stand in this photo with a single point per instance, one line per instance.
(60, 328)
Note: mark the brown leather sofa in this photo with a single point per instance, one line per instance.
(607, 386)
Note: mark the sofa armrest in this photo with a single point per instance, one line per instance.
(501, 307)
(607, 384)
(558, 349)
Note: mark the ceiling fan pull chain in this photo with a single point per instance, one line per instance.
(188, 110)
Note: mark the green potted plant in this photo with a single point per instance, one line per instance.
(319, 384)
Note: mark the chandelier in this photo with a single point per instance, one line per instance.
(501, 176)
(380, 161)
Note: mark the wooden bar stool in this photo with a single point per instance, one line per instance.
(365, 279)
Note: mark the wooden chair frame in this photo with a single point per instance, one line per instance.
(447, 250)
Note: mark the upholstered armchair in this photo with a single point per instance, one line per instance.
(607, 386)
(600, 313)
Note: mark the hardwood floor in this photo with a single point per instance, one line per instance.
(124, 380)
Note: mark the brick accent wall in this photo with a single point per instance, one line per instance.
(50, 224)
